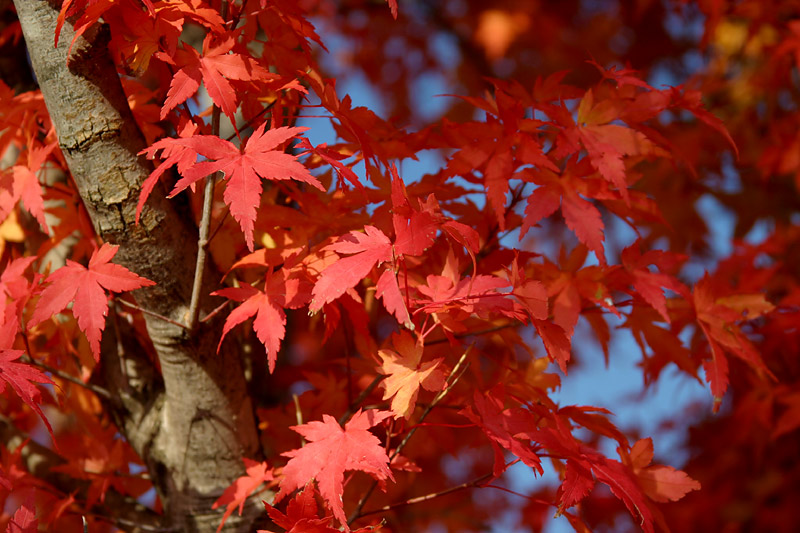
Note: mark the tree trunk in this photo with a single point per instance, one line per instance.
(193, 432)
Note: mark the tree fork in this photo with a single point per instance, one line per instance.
(206, 424)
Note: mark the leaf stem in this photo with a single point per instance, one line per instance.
(63, 375)
(150, 313)
(215, 312)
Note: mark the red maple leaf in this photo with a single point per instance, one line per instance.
(499, 423)
(25, 185)
(717, 319)
(84, 286)
(172, 154)
(243, 168)
(649, 284)
(564, 191)
(21, 378)
(555, 342)
(478, 295)
(622, 76)
(388, 291)
(215, 67)
(367, 249)
(621, 481)
(498, 170)
(333, 158)
(530, 293)
(578, 482)
(87, 13)
(24, 519)
(414, 230)
(270, 324)
(17, 287)
(393, 6)
(301, 514)
(607, 144)
(234, 496)
(330, 452)
(692, 101)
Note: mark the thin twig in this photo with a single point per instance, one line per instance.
(205, 219)
(348, 343)
(253, 119)
(67, 377)
(468, 484)
(215, 312)
(220, 223)
(472, 333)
(298, 414)
(150, 313)
(451, 381)
(361, 397)
(202, 244)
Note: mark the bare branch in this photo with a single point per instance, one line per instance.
(100, 391)
(466, 485)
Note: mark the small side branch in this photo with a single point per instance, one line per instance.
(361, 397)
(469, 484)
(452, 379)
(125, 512)
(150, 313)
(202, 246)
(100, 391)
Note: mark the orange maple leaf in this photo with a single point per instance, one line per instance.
(234, 496)
(660, 483)
(406, 373)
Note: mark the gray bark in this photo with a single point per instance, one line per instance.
(193, 433)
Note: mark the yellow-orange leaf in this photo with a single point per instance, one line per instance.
(407, 373)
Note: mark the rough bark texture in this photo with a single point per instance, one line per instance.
(194, 434)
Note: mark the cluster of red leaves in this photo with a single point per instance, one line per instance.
(454, 260)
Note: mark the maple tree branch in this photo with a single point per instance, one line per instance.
(361, 397)
(101, 142)
(123, 511)
(472, 333)
(219, 224)
(150, 313)
(451, 381)
(100, 391)
(419, 499)
(202, 245)
(217, 310)
(205, 225)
